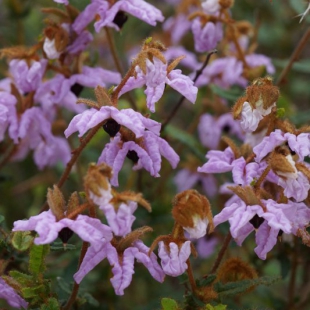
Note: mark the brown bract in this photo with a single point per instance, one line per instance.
(189, 205)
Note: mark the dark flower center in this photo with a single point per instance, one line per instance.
(111, 127)
(132, 155)
(256, 221)
(76, 89)
(226, 128)
(120, 19)
(65, 234)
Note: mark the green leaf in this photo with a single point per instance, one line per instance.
(65, 286)
(234, 288)
(187, 139)
(169, 304)
(1, 218)
(22, 240)
(217, 307)
(36, 259)
(206, 281)
(58, 246)
(30, 292)
(52, 304)
(22, 278)
(91, 300)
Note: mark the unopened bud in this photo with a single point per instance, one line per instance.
(97, 185)
(56, 202)
(193, 212)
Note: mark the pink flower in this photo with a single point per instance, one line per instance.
(174, 257)
(12, 298)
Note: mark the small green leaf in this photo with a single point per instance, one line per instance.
(22, 240)
(64, 285)
(52, 304)
(280, 112)
(30, 292)
(91, 300)
(22, 278)
(36, 259)
(169, 304)
(58, 246)
(206, 281)
(1, 218)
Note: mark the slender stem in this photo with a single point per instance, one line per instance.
(191, 275)
(76, 286)
(113, 51)
(76, 153)
(294, 56)
(292, 283)
(221, 254)
(178, 105)
(78, 211)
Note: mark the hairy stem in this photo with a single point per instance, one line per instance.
(191, 276)
(178, 105)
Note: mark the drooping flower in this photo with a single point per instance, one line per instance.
(174, 257)
(46, 225)
(155, 78)
(12, 298)
(145, 153)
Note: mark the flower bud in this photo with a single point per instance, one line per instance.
(193, 212)
(96, 184)
(56, 202)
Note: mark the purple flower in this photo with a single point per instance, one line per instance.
(206, 36)
(206, 245)
(126, 117)
(211, 6)
(277, 216)
(35, 132)
(174, 257)
(12, 298)
(243, 173)
(122, 267)
(218, 161)
(45, 224)
(211, 129)
(177, 26)
(155, 79)
(138, 8)
(27, 78)
(120, 220)
(8, 116)
(147, 155)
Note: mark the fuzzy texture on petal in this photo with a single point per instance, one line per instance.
(12, 298)
(104, 198)
(200, 227)
(120, 220)
(173, 259)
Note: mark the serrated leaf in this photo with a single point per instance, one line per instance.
(22, 240)
(186, 139)
(52, 304)
(169, 304)
(30, 292)
(235, 288)
(22, 278)
(36, 259)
